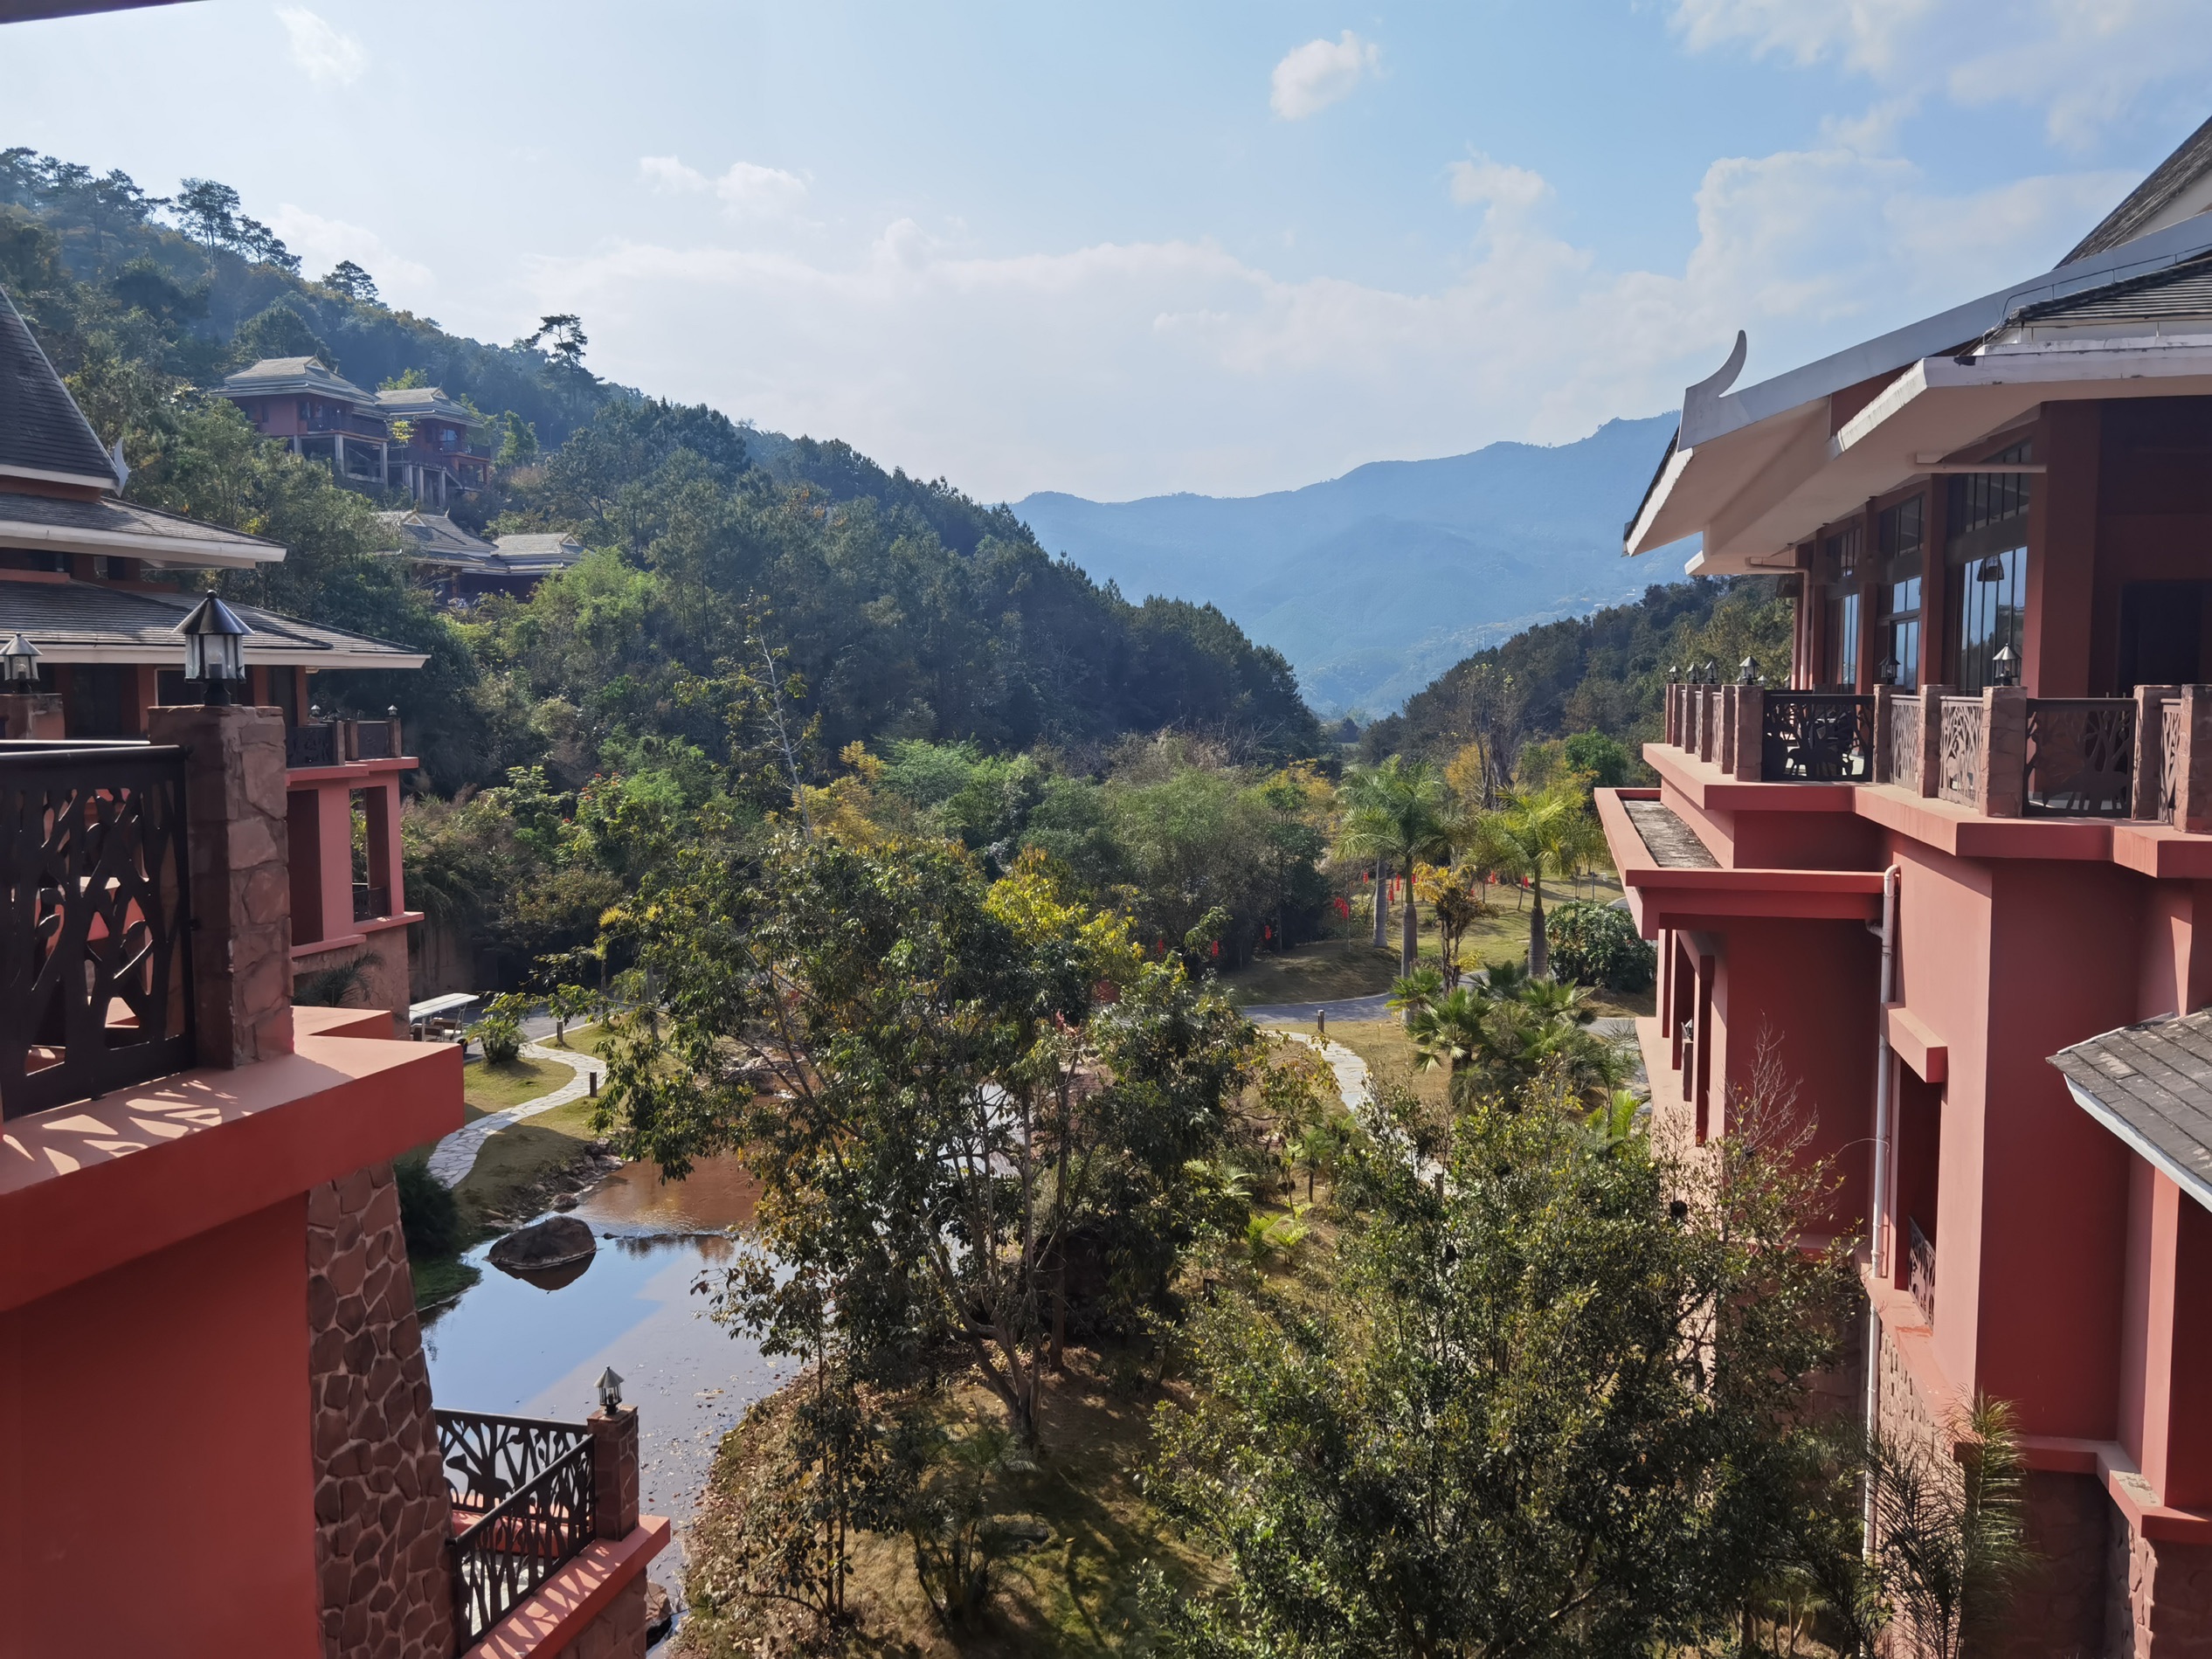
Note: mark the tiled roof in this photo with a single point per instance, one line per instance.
(2151, 1086)
(535, 553)
(419, 402)
(2167, 183)
(53, 524)
(87, 622)
(434, 538)
(277, 376)
(2183, 291)
(1673, 844)
(41, 428)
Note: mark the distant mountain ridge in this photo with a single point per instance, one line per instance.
(1374, 583)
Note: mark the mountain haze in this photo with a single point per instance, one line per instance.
(1374, 583)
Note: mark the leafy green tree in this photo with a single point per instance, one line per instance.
(910, 1057)
(354, 283)
(208, 210)
(1507, 1034)
(1539, 1412)
(567, 1002)
(277, 332)
(1596, 944)
(1604, 761)
(1397, 811)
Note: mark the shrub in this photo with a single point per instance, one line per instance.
(501, 1029)
(427, 1213)
(1597, 944)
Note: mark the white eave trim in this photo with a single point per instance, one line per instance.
(170, 551)
(1653, 501)
(83, 480)
(274, 656)
(2187, 1179)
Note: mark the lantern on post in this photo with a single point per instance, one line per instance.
(2003, 663)
(214, 649)
(1747, 673)
(19, 663)
(1885, 672)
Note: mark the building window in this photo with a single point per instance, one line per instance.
(1987, 563)
(1839, 554)
(1899, 530)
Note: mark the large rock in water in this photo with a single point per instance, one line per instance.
(557, 1241)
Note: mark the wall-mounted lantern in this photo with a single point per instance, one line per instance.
(19, 663)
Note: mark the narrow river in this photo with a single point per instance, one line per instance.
(535, 1349)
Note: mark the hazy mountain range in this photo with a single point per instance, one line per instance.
(1374, 583)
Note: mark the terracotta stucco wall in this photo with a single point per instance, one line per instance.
(156, 1495)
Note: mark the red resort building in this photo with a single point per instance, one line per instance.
(1947, 883)
(217, 1433)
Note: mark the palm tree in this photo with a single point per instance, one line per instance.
(1536, 835)
(1396, 812)
(1506, 1033)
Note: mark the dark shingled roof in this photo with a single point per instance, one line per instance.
(41, 428)
(433, 538)
(87, 621)
(2151, 1086)
(39, 522)
(1672, 843)
(2147, 200)
(2182, 291)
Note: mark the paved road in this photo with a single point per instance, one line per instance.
(1301, 1013)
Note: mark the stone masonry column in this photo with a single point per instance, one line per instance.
(614, 1471)
(234, 808)
(2003, 784)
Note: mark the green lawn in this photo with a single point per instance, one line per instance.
(493, 1089)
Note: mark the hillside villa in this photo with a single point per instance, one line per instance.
(1951, 884)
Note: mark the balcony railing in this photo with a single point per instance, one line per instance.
(370, 904)
(2002, 753)
(333, 743)
(95, 951)
(1919, 1269)
(523, 1494)
(350, 425)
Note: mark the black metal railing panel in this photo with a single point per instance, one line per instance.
(372, 740)
(489, 1458)
(1816, 737)
(1961, 779)
(525, 1492)
(2080, 757)
(1901, 745)
(2169, 758)
(311, 745)
(1919, 1269)
(95, 947)
(370, 902)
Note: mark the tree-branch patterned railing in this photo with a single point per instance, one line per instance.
(315, 745)
(2169, 757)
(1920, 1265)
(524, 1488)
(1901, 744)
(1961, 778)
(96, 948)
(1816, 737)
(2081, 757)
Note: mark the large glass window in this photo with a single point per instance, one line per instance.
(1899, 530)
(1839, 554)
(1987, 559)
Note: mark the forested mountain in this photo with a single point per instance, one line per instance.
(1372, 582)
(905, 609)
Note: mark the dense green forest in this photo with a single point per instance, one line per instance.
(1603, 673)
(759, 613)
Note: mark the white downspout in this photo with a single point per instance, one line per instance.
(1877, 1197)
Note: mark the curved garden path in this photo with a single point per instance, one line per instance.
(454, 1156)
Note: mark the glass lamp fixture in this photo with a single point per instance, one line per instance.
(1885, 672)
(610, 1388)
(1992, 569)
(2004, 662)
(214, 648)
(1747, 673)
(20, 659)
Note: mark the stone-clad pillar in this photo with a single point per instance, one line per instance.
(614, 1471)
(2003, 785)
(2193, 790)
(234, 803)
(38, 714)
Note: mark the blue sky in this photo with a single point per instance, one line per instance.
(1126, 249)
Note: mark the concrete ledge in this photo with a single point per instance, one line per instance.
(566, 1604)
(1920, 1048)
(88, 1187)
(2133, 1495)
(341, 1022)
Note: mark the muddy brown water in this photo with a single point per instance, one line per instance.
(535, 1347)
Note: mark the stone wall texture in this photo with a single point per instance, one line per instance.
(382, 1513)
(620, 1631)
(2160, 1605)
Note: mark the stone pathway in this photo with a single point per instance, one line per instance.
(1352, 1071)
(452, 1158)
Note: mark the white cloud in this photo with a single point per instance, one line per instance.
(1481, 182)
(747, 190)
(320, 242)
(1322, 72)
(319, 50)
(1128, 368)
(2083, 64)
